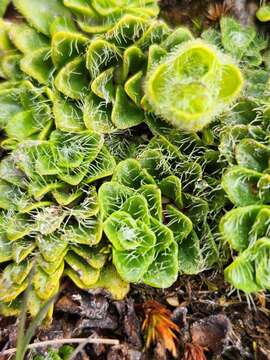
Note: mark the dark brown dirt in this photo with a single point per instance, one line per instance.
(193, 13)
(228, 327)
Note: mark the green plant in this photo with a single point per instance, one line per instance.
(243, 43)
(248, 182)
(94, 16)
(70, 62)
(109, 82)
(248, 46)
(243, 132)
(193, 85)
(246, 230)
(63, 353)
(24, 335)
(152, 215)
(26, 113)
(79, 77)
(50, 211)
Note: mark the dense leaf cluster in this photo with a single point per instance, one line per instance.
(126, 145)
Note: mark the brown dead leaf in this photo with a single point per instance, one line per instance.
(217, 10)
(261, 298)
(194, 352)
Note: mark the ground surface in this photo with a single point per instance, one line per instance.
(236, 331)
(240, 329)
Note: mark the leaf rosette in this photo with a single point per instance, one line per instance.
(248, 182)
(246, 230)
(156, 228)
(50, 218)
(193, 85)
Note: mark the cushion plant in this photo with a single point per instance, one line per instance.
(50, 214)
(152, 216)
(245, 146)
(246, 229)
(133, 65)
(248, 182)
(81, 185)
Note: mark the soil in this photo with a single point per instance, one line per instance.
(227, 326)
(208, 315)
